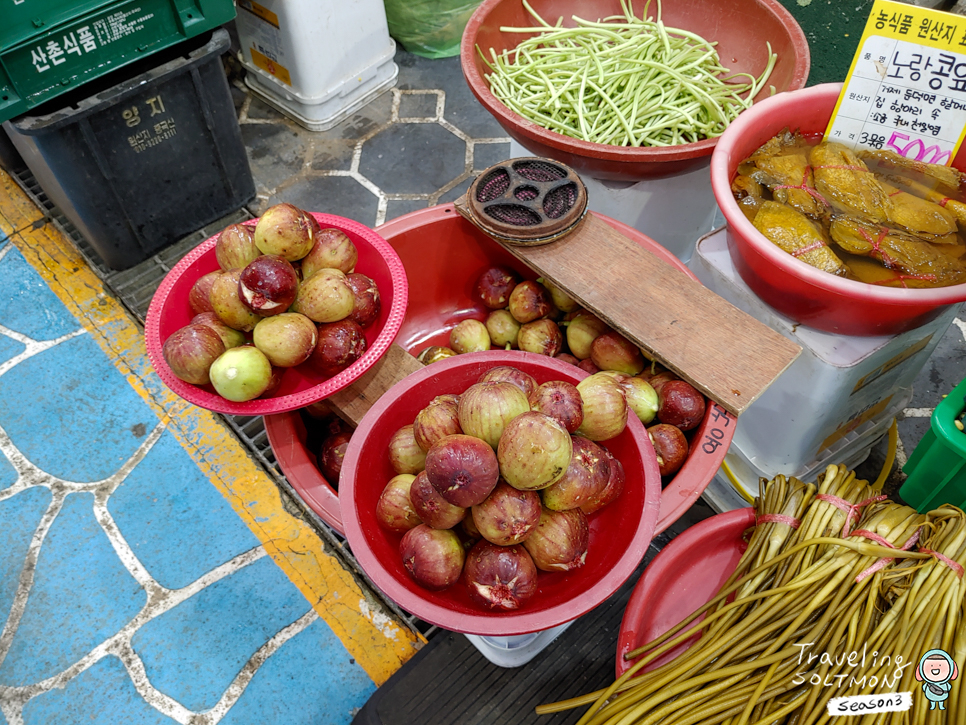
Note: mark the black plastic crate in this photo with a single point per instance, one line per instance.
(146, 161)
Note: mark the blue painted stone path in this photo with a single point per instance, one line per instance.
(130, 591)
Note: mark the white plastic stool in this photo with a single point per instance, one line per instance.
(316, 61)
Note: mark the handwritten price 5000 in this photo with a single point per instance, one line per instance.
(916, 149)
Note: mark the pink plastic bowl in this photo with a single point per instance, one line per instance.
(301, 386)
(443, 255)
(686, 575)
(791, 286)
(619, 533)
(740, 27)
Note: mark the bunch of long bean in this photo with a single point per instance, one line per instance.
(829, 570)
(623, 81)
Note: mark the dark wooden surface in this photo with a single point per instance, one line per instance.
(353, 402)
(724, 352)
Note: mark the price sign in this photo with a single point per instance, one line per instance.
(906, 89)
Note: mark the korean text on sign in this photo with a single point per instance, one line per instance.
(154, 131)
(906, 90)
(55, 52)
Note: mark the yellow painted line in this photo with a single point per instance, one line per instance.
(17, 211)
(378, 642)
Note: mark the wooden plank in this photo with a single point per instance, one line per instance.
(724, 352)
(353, 402)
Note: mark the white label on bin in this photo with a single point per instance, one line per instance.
(906, 89)
(120, 24)
(259, 29)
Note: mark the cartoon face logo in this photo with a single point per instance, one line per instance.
(936, 669)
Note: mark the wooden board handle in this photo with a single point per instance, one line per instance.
(354, 401)
(727, 354)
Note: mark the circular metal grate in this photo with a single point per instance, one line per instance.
(527, 201)
(539, 170)
(513, 214)
(493, 185)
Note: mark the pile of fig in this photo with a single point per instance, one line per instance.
(538, 317)
(326, 436)
(496, 484)
(286, 294)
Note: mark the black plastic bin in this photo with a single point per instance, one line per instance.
(146, 161)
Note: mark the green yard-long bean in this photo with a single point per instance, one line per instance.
(623, 81)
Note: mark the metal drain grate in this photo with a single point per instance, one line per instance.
(135, 287)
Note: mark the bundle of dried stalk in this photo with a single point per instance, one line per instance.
(831, 570)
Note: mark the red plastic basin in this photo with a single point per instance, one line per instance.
(740, 27)
(619, 533)
(301, 385)
(443, 255)
(685, 576)
(805, 294)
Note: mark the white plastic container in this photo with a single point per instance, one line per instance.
(517, 650)
(834, 402)
(673, 210)
(316, 61)
(735, 485)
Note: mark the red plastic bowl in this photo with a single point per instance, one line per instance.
(301, 385)
(740, 27)
(686, 575)
(441, 287)
(287, 436)
(791, 286)
(619, 533)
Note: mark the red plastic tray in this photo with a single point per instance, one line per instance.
(301, 386)
(686, 575)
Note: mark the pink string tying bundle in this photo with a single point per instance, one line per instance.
(812, 192)
(810, 248)
(882, 563)
(955, 566)
(888, 262)
(851, 510)
(778, 519)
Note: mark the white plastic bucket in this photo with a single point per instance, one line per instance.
(316, 61)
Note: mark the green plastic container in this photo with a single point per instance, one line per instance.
(937, 468)
(49, 47)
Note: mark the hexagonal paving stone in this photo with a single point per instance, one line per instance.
(340, 195)
(413, 158)
(465, 112)
(364, 121)
(275, 152)
(417, 105)
(462, 109)
(457, 191)
(398, 207)
(486, 155)
(332, 154)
